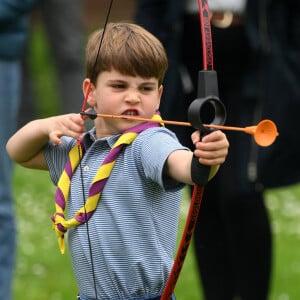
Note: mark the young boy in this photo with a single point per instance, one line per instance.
(122, 234)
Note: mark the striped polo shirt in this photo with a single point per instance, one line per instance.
(133, 230)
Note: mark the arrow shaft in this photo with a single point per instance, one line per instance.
(144, 119)
(222, 127)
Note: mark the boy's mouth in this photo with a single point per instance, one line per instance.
(131, 112)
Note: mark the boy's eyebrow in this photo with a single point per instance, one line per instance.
(150, 81)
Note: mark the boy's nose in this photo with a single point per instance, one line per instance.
(133, 97)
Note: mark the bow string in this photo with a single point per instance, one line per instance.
(83, 108)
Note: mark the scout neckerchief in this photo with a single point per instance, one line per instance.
(61, 225)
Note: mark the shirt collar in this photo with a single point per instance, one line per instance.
(90, 137)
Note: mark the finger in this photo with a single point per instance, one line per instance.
(219, 153)
(75, 124)
(215, 135)
(86, 117)
(195, 137)
(210, 146)
(55, 138)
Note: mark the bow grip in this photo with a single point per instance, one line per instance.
(207, 106)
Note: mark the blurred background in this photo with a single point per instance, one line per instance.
(41, 271)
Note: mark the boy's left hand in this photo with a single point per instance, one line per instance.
(212, 149)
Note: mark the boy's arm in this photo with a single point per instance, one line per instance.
(26, 146)
(211, 151)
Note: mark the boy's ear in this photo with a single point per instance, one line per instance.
(160, 91)
(88, 88)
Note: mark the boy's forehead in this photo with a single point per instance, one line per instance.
(115, 75)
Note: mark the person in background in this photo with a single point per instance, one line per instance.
(233, 238)
(14, 22)
(164, 20)
(63, 24)
(273, 28)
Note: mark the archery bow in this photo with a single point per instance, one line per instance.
(207, 93)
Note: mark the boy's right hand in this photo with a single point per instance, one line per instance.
(26, 146)
(71, 125)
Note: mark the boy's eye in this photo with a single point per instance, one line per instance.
(147, 88)
(118, 86)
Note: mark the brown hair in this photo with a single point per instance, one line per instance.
(127, 48)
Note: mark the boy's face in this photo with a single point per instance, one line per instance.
(119, 94)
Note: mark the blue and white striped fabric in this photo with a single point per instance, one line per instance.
(133, 230)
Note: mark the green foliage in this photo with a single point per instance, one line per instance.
(43, 74)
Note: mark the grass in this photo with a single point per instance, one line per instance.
(284, 207)
(43, 273)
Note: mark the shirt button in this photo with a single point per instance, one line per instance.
(86, 168)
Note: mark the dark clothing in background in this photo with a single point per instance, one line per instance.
(258, 64)
(274, 32)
